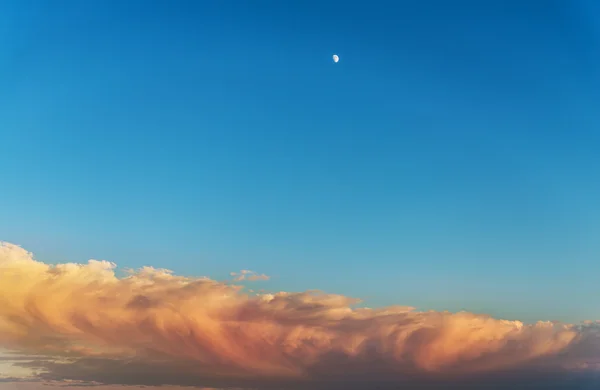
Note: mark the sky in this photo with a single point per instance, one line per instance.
(446, 162)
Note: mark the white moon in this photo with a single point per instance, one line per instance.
(336, 58)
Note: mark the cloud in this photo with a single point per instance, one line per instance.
(81, 322)
(248, 275)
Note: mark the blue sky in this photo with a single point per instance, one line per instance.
(448, 161)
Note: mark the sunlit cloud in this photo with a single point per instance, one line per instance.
(81, 322)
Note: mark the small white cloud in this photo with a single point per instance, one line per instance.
(248, 275)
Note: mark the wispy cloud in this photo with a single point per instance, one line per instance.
(248, 275)
(82, 322)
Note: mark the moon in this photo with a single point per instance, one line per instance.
(336, 58)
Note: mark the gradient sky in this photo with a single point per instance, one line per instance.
(448, 161)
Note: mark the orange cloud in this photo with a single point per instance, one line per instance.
(81, 320)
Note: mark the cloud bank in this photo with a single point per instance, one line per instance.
(81, 322)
